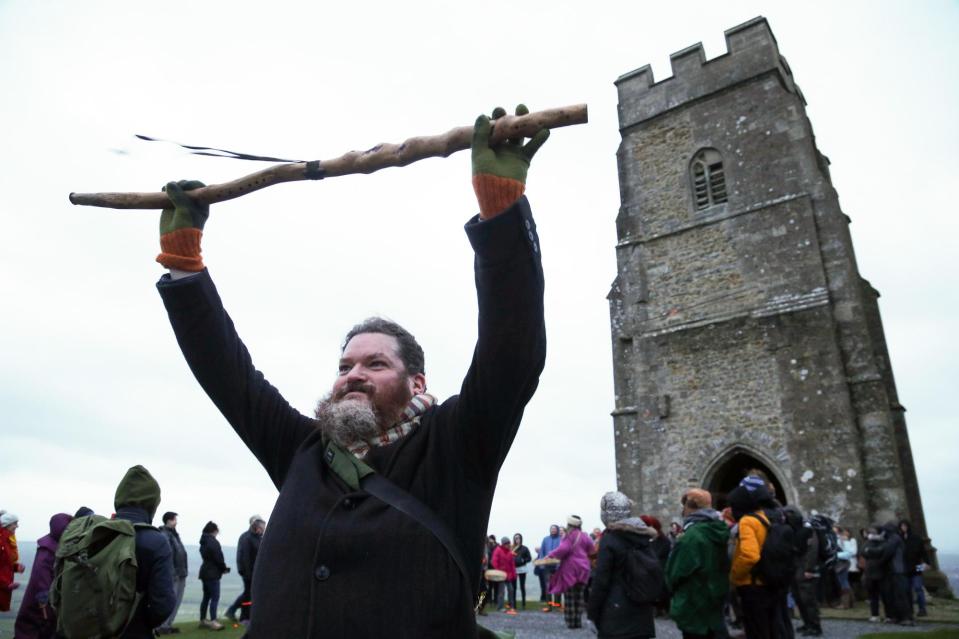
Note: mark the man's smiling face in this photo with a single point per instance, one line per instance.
(372, 372)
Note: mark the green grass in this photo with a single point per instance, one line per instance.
(940, 611)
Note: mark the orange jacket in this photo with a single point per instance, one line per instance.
(749, 545)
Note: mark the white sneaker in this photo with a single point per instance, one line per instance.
(874, 619)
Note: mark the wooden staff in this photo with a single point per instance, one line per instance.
(379, 157)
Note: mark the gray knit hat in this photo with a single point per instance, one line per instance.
(613, 507)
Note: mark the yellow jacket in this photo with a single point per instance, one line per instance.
(749, 545)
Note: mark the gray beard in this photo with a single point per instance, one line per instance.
(347, 422)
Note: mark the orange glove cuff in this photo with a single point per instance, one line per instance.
(180, 249)
(495, 194)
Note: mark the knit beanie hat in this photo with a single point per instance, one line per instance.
(613, 507)
(574, 520)
(8, 519)
(256, 518)
(752, 483)
(697, 498)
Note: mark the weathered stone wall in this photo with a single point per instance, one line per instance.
(745, 326)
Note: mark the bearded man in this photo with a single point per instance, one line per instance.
(337, 562)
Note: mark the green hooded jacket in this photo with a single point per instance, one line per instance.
(139, 489)
(697, 575)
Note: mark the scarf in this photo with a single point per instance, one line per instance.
(408, 422)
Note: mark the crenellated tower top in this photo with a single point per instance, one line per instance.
(751, 51)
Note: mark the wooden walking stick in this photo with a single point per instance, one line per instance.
(379, 157)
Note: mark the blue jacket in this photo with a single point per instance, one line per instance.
(154, 576)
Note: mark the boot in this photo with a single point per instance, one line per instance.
(847, 598)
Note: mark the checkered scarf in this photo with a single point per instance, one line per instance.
(407, 424)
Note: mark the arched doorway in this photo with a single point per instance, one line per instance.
(729, 471)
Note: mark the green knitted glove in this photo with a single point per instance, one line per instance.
(499, 173)
(181, 227)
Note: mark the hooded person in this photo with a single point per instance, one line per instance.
(763, 607)
(893, 585)
(615, 614)
(136, 500)
(9, 558)
(549, 544)
(697, 572)
(36, 618)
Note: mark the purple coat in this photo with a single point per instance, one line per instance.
(573, 552)
(31, 623)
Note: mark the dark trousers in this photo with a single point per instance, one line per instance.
(917, 594)
(895, 597)
(874, 592)
(509, 597)
(522, 586)
(244, 602)
(211, 597)
(761, 613)
(806, 592)
(543, 585)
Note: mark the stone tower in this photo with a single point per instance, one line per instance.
(743, 334)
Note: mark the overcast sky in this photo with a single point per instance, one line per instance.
(92, 380)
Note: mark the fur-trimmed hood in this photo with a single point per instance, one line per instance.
(633, 525)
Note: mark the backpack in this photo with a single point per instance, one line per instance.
(777, 558)
(828, 540)
(643, 575)
(94, 587)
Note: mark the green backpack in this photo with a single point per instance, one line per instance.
(95, 578)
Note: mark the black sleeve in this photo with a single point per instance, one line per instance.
(602, 580)
(242, 555)
(220, 562)
(266, 423)
(511, 341)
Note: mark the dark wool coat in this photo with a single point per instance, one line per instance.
(340, 563)
(246, 550)
(213, 566)
(610, 608)
(37, 619)
(914, 553)
(180, 568)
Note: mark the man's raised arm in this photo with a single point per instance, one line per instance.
(511, 345)
(265, 422)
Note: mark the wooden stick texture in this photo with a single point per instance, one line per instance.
(379, 157)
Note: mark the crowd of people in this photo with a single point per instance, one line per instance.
(749, 569)
(752, 567)
(162, 567)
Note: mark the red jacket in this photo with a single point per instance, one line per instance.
(9, 556)
(504, 560)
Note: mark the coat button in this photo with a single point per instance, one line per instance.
(322, 573)
(348, 504)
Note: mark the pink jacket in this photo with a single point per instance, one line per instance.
(573, 552)
(503, 560)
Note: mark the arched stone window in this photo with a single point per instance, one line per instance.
(708, 179)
